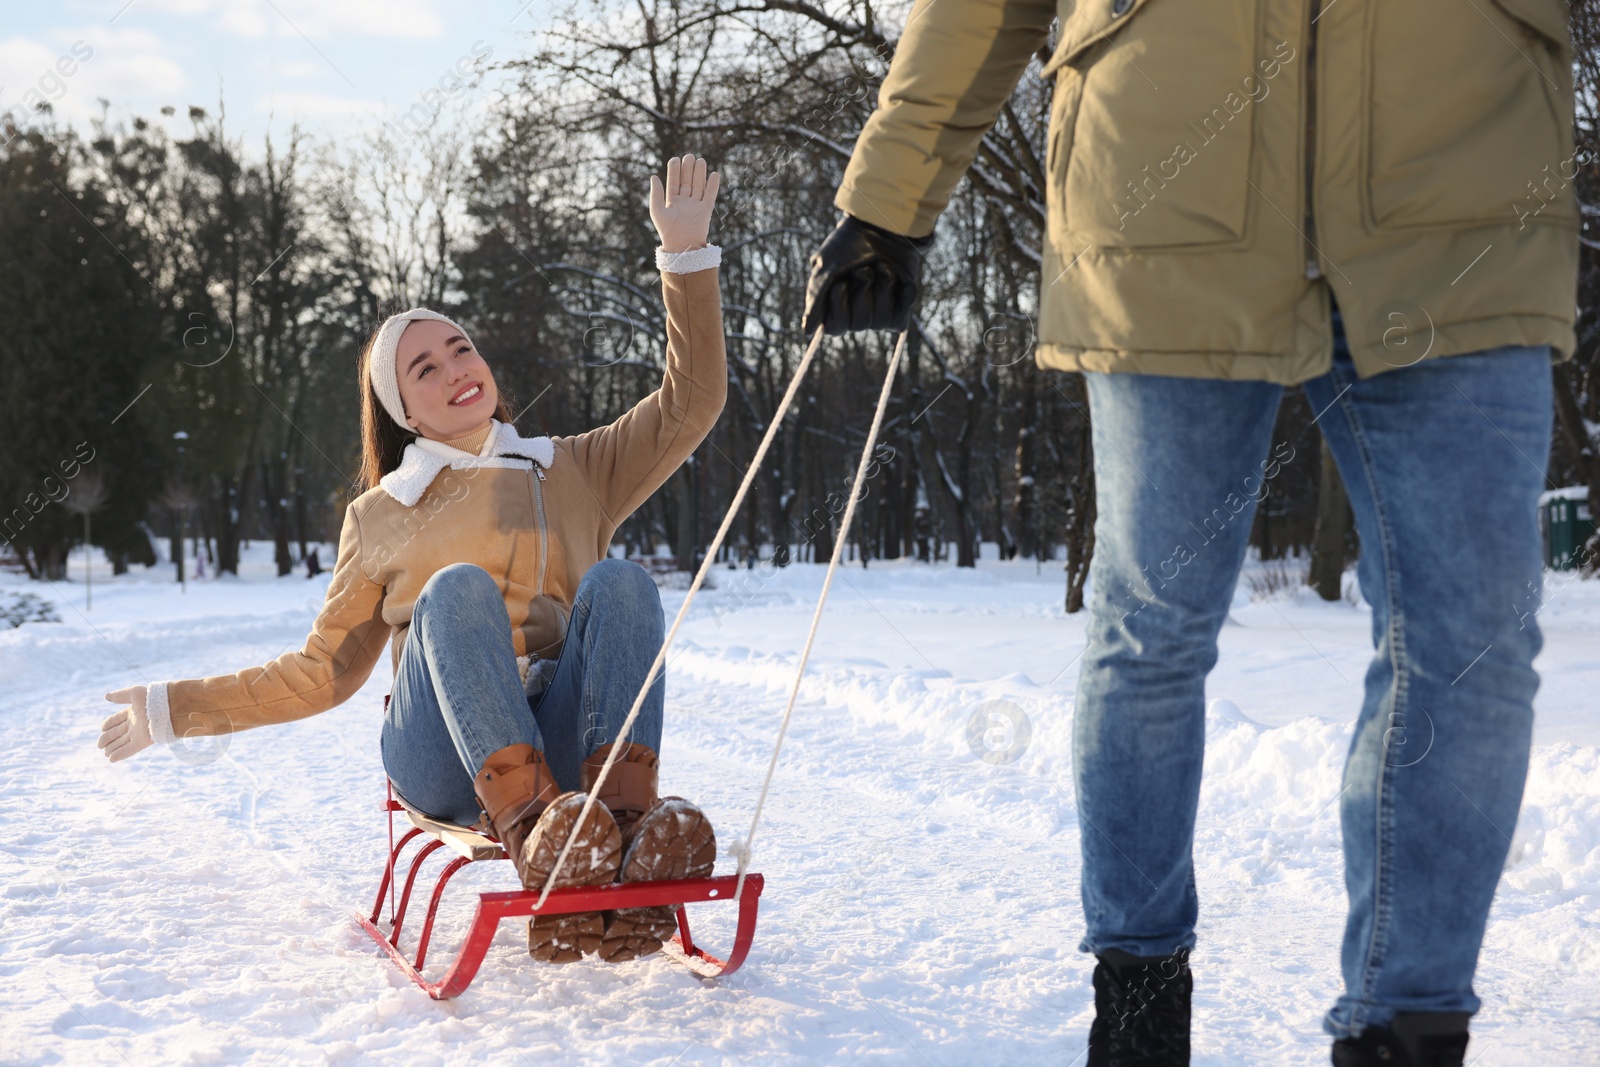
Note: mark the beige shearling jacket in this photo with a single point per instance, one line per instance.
(536, 513)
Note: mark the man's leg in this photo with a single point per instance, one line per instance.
(1179, 466)
(1444, 462)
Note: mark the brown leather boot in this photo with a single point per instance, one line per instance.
(514, 788)
(526, 810)
(664, 838)
(629, 789)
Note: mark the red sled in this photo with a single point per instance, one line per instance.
(469, 845)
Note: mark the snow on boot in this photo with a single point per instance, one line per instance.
(593, 860)
(1141, 1006)
(1412, 1039)
(526, 810)
(663, 839)
(672, 840)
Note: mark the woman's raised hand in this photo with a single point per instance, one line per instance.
(681, 209)
(127, 732)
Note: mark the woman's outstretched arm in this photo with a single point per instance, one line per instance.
(632, 457)
(345, 642)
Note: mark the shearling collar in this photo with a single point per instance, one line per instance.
(504, 447)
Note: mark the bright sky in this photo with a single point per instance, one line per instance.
(336, 66)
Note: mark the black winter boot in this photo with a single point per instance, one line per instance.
(1412, 1039)
(1141, 1010)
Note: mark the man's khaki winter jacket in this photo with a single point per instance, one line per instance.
(536, 520)
(1215, 166)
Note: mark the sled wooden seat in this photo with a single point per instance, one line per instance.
(471, 845)
(465, 841)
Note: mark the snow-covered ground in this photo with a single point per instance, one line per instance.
(194, 906)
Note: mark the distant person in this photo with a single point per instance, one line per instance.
(313, 564)
(1213, 193)
(461, 576)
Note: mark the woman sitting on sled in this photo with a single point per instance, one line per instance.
(481, 551)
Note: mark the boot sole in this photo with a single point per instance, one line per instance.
(594, 860)
(674, 840)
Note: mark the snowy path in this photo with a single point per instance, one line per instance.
(921, 904)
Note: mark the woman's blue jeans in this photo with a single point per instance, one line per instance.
(1443, 462)
(457, 697)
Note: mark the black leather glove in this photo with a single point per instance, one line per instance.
(863, 278)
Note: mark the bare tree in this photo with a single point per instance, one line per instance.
(88, 494)
(1576, 382)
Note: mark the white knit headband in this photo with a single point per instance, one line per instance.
(385, 380)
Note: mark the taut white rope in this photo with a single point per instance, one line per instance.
(694, 587)
(839, 546)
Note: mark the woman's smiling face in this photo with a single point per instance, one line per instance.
(445, 385)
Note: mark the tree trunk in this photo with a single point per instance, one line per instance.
(1082, 507)
(234, 512)
(956, 489)
(175, 544)
(300, 517)
(822, 540)
(890, 514)
(1022, 502)
(1080, 549)
(1570, 419)
(278, 515)
(700, 537)
(281, 554)
(1328, 544)
(683, 532)
(752, 513)
(965, 556)
(52, 562)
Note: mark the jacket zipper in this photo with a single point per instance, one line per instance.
(544, 546)
(544, 535)
(1312, 268)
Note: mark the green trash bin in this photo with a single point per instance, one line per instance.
(1567, 525)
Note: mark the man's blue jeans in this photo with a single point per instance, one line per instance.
(1443, 462)
(457, 697)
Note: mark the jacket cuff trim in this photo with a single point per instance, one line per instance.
(690, 261)
(159, 714)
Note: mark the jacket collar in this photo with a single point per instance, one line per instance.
(423, 459)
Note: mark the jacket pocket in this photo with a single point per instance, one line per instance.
(1153, 122)
(1468, 113)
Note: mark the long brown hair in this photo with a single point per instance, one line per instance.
(383, 441)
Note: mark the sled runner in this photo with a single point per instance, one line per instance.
(469, 845)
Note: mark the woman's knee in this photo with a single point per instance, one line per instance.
(623, 578)
(459, 579)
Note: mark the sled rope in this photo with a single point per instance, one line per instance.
(839, 547)
(694, 588)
